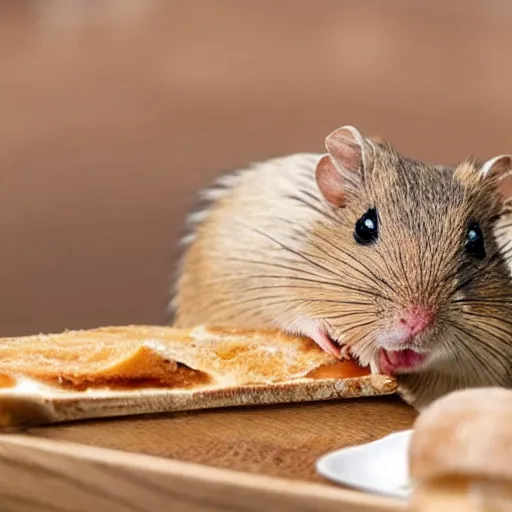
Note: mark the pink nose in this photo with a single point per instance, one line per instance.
(417, 319)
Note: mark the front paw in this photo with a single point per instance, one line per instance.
(345, 353)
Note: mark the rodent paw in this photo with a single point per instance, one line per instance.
(345, 353)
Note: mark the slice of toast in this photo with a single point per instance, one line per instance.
(140, 369)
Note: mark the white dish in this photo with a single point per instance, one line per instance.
(379, 467)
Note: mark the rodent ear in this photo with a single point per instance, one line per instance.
(345, 145)
(329, 181)
(499, 169)
(340, 170)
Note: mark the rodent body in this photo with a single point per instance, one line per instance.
(400, 263)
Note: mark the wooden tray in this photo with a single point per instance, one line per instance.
(247, 459)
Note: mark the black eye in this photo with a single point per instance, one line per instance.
(475, 241)
(367, 228)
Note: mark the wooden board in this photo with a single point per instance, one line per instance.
(283, 440)
(247, 459)
(38, 475)
(255, 458)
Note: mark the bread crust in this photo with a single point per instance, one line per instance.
(118, 371)
(467, 433)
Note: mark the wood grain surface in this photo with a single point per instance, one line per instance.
(38, 475)
(282, 441)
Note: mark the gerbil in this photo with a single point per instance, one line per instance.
(400, 263)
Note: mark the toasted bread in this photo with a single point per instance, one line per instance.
(224, 367)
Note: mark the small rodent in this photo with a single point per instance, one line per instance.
(401, 264)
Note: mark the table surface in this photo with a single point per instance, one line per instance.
(282, 440)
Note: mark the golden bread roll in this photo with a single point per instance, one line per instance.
(461, 453)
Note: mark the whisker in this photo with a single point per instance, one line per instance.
(311, 206)
(308, 299)
(442, 257)
(507, 300)
(499, 253)
(292, 251)
(347, 313)
(502, 251)
(481, 315)
(370, 274)
(261, 304)
(420, 266)
(504, 341)
(476, 363)
(223, 277)
(351, 327)
(458, 270)
(405, 276)
(454, 352)
(364, 344)
(304, 287)
(293, 268)
(492, 334)
(503, 227)
(315, 281)
(390, 271)
(480, 343)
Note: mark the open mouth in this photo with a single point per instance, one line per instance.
(400, 361)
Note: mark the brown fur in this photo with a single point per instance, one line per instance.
(272, 253)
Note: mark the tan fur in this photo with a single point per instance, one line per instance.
(272, 253)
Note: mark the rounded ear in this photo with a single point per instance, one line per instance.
(345, 145)
(499, 170)
(497, 167)
(329, 181)
(339, 171)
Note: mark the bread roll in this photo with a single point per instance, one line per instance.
(461, 453)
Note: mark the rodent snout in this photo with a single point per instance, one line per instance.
(416, 319)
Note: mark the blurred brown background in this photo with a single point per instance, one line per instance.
(112, 113)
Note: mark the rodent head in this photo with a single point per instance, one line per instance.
(422, 275)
